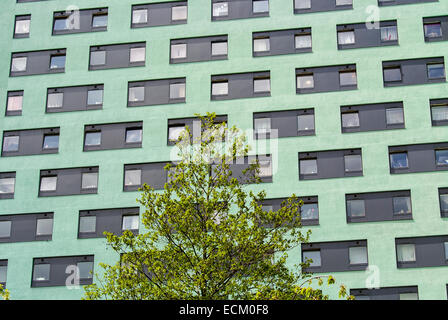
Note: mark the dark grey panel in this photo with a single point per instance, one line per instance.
(153, 174)
(413, 71)
(378, 206)
(85, 20)
(113, 135)
(326, 79)
(240, 164)
(285, 122)
(6, 175)
(21, 35)
(240, 85)
(398, 2)
(18, 93)
(68, 181)
(38, 62)
(58, 268)
(199, 49)
(117, 55)
(323, 5)
(429, 251)
(157, 92)
(190, 122)
(238, 9)
(281, 41)
(159, 14)
(443, 20)
(334, 256)
(23, 227)
(330, 164)
(31, 142)
(365, 37)
(24, 1)
(276, 204)
(372, 117)
(109, 220)
(389, 293)
(75, 98)
(444, 205)
(421, 157)
(438, 103)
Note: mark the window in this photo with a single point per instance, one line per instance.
(436, 71)
(392, 74)
(442, 157)
(394, 116)
(302, 41)
(99, 21)
(357, 255)
(3, 274)
(262, 125)
(344, 2)
(97, 58)
(22, 26)
(399, 160)
(402, 205)
(85, 270)
(11, 143)
(57, 62)
(41, 272)
(220, 88)
(55, 100)
(7, 185)
(305, 122)
(175, 132)
(94, 97)
(389, 33)
(130, 222)
(179, 13)
(302, 4)
(220, 9)
(353, 163)
(44, 227)
(219, 48)
(177, 90)
(51, 141)
(439, 113)
(140, 16)
(92, 138)
(446, 250)
(133, 177)
(346, 37)
(15, 102)
(134, 135)
(443, 202)
(347, 78)
(260, 6)
(356, 208)
(308, 166)
(262, 45)
(18, 64)
(60, 24)
(305, 82)
(87, 224)
(48, 183)
(89, 180)
(136, 94)
(309, 211)
(265, 169)
(312, 257)
(5, 229)
(178, 51)
(433, 30)
(406, 252)
(350, 120)
(262, 85)
(409, 296)
(137, 55)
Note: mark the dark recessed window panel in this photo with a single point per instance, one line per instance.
(239, 9)
(24, 1)
(420, 252)
(198, 49)
(113, 136)
(84, 20)
(306, 6)
(76, 98)
(26, 227)
(378, 206)
(363, 35)
(240, 85)
(159, 14)
(177, 126)
(428, 157)
(54, 271)
(413, 71)
(439, 111)
(156, 92)
(37, 62)
(330, 164)
(281, 124)
(242, 163)
(30, 142)
(69, 181)
(7, 185)
(372, 117)
(115, 56)
(326, 79)
(309, 211)
(153, 174)
(443, 199)
(388, 293)
(93, 223)
(277, 42)
(398, 2)
(435, 28)
(335, 256)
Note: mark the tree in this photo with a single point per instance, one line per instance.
(207, 235)
(4, 293)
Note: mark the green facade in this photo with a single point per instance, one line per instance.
(332, 226)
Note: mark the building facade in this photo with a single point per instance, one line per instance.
(350, 97)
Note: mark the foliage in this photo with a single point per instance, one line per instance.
(4, 293)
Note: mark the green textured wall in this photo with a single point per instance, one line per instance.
(333, 227)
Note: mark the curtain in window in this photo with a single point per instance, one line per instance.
(406, 252)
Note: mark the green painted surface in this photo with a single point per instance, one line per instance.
(333, 227)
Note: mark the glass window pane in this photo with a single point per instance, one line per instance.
(308, 166)
(394, 116)
(344, 2)
(267, 208)
(179, 13)
(41, 272)
(55, 100)
(262, 125)
(442, 157)
(51, 142)
(446, 250)
(177, 90)
(436, 71)
(220, 9)
(443, 202)
(262, 45)
(136, 94)
(439, 113)
(219, 48)
(137, 55)
(350, 120)
(358, 255)
(134, 135)
(11, 143)
(178, 51)
(133, 177)
(48, 183)
(89, 180)
(22, 27)
(3, 273)
(303, 41)
(99, 21)
(409, 296)
(356, 208)
(87, 224)
(140, 16)
(85, 270)
(262, 85)
(402, 205)
(44, 227)
(305, 122)
(15, 103)
(406, 252)
(309, 211)
(5, 229)
(175, 132)
(305, 82)
(312, 255)
(433, 30)
(60, 24)
(94, 97)
(18, 64)
(389, 33)
(92, 139)
(7, 185)
(57, 62)
(97, 58)
(392, 74)
(347, 78)
(302, 4)
(130, 222)
(265, 169)
(398, 160)
(346, 37)
(220, 88)
(353, 163)
(260, 6)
